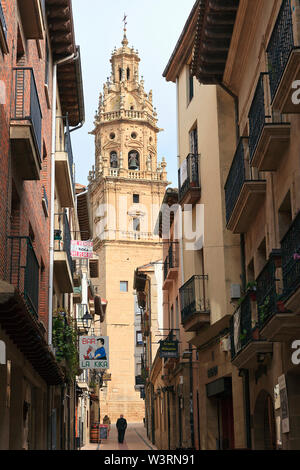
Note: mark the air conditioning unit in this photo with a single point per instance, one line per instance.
(225, 344)
(235, 291)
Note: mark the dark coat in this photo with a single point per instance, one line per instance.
(121, 424)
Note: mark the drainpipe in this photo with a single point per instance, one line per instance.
(70, 58)
(244, 373)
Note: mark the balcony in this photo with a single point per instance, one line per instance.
(26, 125)
(246, 343)
(64, 177)
(63, 265)
(3, 31)
(195, 310)
(283, 55)
(189, 180)
(244, 190)
(276, 322)
(171, 264)
(139, 380)
(290, 251)
(24, 271)
(269, 134)
(77, 295)
(32, 20)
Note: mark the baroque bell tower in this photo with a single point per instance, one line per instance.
(126, 187)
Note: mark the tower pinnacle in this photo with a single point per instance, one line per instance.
(125, 40)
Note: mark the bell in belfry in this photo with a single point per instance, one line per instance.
(133, 160)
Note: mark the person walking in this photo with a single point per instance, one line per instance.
(121, 427)
(107, 422)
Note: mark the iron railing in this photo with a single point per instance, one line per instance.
(189, 174)
(240, 172)
(24, 270)
(68, 149)
(64, 144)
(2, 21)
(139, 380)
(290, 252)
(194, 296)
(280, 46)
(266, 292)
(261, 114)
(241, 326)
(172, 259)
(62, 237)
(26, 103)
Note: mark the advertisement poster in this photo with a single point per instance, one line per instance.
(81, 249)
(94, 352)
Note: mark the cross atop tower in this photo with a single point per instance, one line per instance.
(125, 40)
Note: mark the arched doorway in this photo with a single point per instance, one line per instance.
(264, 422)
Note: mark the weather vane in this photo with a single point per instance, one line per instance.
(124, 21)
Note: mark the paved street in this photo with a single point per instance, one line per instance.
(135, 439)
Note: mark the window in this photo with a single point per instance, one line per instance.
(136, 224)
(136, 198)
(128, 73)
(190, 86)
(139, 338)
(194, 141)
(123, 286)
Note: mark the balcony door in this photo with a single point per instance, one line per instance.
(194, 141)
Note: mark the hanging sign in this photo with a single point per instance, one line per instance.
(94, 352)
(168, 348)
(81, 249)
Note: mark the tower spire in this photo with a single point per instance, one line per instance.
(125, 40)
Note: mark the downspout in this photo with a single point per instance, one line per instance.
(178, 166)
(244, 372)
(70, 58)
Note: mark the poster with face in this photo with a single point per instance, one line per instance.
(94, 352)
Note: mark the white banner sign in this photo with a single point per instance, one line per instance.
(94, 352)
(81, 249)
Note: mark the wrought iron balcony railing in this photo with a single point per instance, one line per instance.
(241, 326)
(267, 292)
(139, 380)
(194, 297)
(280, 46)
(172, 259)
(290, 252)
(260, 113)
(62, 237)
(189, 175)
(26, 103)
(24, 270)
(240, 173)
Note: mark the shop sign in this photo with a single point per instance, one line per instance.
(106, 377)
(168, 348)
(94, 352)
(81, 249)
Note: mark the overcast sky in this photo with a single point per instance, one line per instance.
(153, 27)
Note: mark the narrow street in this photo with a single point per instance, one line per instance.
(135, 439)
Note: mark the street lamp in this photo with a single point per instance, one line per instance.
(87, 321)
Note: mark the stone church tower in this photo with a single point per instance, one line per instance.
(127, 186)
